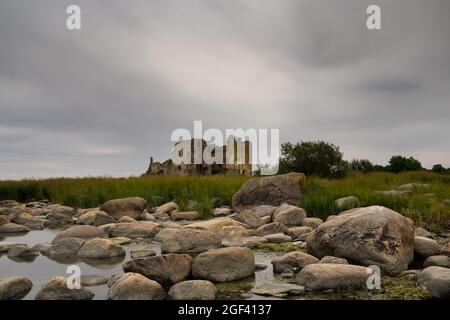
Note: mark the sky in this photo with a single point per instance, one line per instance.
(102, 100)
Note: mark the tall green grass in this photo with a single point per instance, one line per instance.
(318, 198)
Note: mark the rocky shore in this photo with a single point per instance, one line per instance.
(169, 254)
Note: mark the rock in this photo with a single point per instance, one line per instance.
(14, 288)
(93, 280)
(295, 232)
(126, 219)
(272, 228)
(4, 220)
(425, 247)
(335, 260)
(6, 246)
(133, 286)
(221, 212)
(371, 235)
(130, 207)
(167, 207)
(413, 186)
(393, 193)
(260, 266)
(81, 232)
(445, 250)
(300, 177)
(13, 228)
(224, 264)
(436, 280)
(300, 244)
(187, 240)
(278, 238)
(148, 217)
(272, 191)
(57, 289)
(188, 215)
(9, 203)
(37, 224)
(165, 269)
(15, 212)
(42, 247)
(193, 290)
(131, 229)
(440, 261)
(266, 219)
(264, 210)
(331, 217)
(232, 232)
(63, 210)
(249, 218)
(100, 249)
(324, 276)
(60, 218)
(292, 260)
(312, 222)
(213, 225)
(346, 203)
(421, 232)
(136, 254)
(278, 289)
(249, 242)
(216, 202)
(95, 218)
(22, 252)
(65, 248)
(289, 215)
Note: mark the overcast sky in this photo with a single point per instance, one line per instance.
(102, 100)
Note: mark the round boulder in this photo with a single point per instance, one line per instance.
(57, 288)
(133, 286)
(100, 249)
(131, 207)
(95, 218)
(81, 232)
(187, 240)
(14, 288)
(289, 215)
(193, 290)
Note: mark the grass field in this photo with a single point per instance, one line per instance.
(317, 200)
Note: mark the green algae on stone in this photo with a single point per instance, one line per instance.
(278, 247)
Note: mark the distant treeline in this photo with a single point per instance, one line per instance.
(325, 160)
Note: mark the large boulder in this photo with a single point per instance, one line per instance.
(425, 247)
(131, 229)
(187, 240)
(62, 248)
(193, 290)
(57, 289)
(436, 280)
(100, 249)
(131, 207)
(165, 269)
(95, 218)
(14, 288)
(224, 264)
(289, 215)
(294, 261)
(133, 286)
(81, 232)
(369, 236)
(324, 276)
(273, 191)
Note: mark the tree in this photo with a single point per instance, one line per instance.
(362, 165)
(313, 158)
(400, 163)
(438, 168)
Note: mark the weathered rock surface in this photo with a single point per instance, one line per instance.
(224, 264)
(167, 208)
(186, 215)
(445, 250)
(278, 289)
(272, 191)
(126, 219)
(131, 229)
(249, 218)
(272, 228)
(421, 232)
(440, 261)
(57, 289)
(335, 260)
(249, 242)
(131, 207)
(289, 215)
(278, 238)
(294, 261)
(312, 222)
(324, 276)
(14, 288)
(93, 280)
(13, 228)
(134, 286)
(64, 248)
(264, 210)
(6, 246)
(372, 235)
(100, 249)
(221, 212)
(95, 218)
(436, 280)
(425, 247)
(296, 232)
(22, 252)
(4, 220)
(165, 269)
(81, 232)
(214, 225)
(193, 290)
(187, 240)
